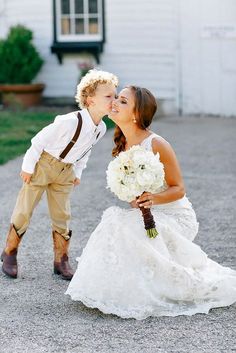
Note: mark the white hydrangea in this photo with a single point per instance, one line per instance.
(134, 171)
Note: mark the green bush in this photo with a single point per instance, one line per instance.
(19, 60)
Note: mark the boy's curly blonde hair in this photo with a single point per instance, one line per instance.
(89, 83)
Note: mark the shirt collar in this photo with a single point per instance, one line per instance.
(88, 119)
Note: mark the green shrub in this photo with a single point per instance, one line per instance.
(19, 60)
(109, 123)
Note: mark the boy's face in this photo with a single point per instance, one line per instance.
(102, 100)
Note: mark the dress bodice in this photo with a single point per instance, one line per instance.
(147, 144)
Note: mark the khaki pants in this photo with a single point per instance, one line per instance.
(57, 179)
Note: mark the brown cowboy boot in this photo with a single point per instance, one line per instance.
(61, 263)
(9, 254)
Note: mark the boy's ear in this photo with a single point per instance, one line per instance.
(90, 100)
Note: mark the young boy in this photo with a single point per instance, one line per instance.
(54, 164)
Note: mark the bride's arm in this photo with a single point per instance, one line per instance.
(173, 177)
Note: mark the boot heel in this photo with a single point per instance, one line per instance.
(56, 271)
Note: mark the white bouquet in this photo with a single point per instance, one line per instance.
(133, 172)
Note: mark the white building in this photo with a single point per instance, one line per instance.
(184, 51)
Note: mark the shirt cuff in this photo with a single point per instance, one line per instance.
(28, 167)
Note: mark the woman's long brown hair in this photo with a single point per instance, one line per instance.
(145, 107)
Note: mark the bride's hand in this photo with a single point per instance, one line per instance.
(133, 204)
(146, 200)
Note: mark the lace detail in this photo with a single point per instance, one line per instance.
(140, 313)
(123, 272)
(147, 144)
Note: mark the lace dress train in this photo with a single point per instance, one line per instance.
(123, 272)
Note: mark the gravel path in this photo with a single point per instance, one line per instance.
(36, 316)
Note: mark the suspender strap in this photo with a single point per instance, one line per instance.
(74, 139)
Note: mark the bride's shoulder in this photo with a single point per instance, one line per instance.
(160, 144)
(158, 140)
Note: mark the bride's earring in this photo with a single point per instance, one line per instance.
(134, 120)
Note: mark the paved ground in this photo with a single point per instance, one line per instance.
(36, 316)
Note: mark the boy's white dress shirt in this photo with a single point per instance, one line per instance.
(56, 136)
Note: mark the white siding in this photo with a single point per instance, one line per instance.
(141, 44)
(208, 62)
(158, 44)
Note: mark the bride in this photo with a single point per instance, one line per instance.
(121, 270)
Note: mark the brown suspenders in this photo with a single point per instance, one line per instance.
(74, 139)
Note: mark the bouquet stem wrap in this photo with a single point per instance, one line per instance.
(149, 222)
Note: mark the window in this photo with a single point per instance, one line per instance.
(79, 20)
(78, 26)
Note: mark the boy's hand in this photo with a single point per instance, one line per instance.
(76, 181)
(25, 176)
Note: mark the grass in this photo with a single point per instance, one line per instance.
(18, 128)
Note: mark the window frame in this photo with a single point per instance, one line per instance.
(81, 37)
(75, 43)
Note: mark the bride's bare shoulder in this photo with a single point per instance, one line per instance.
(161, 145)
(159, 141)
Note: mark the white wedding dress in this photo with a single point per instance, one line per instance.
(121, 271)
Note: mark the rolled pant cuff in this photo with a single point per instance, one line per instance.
(66, 235)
